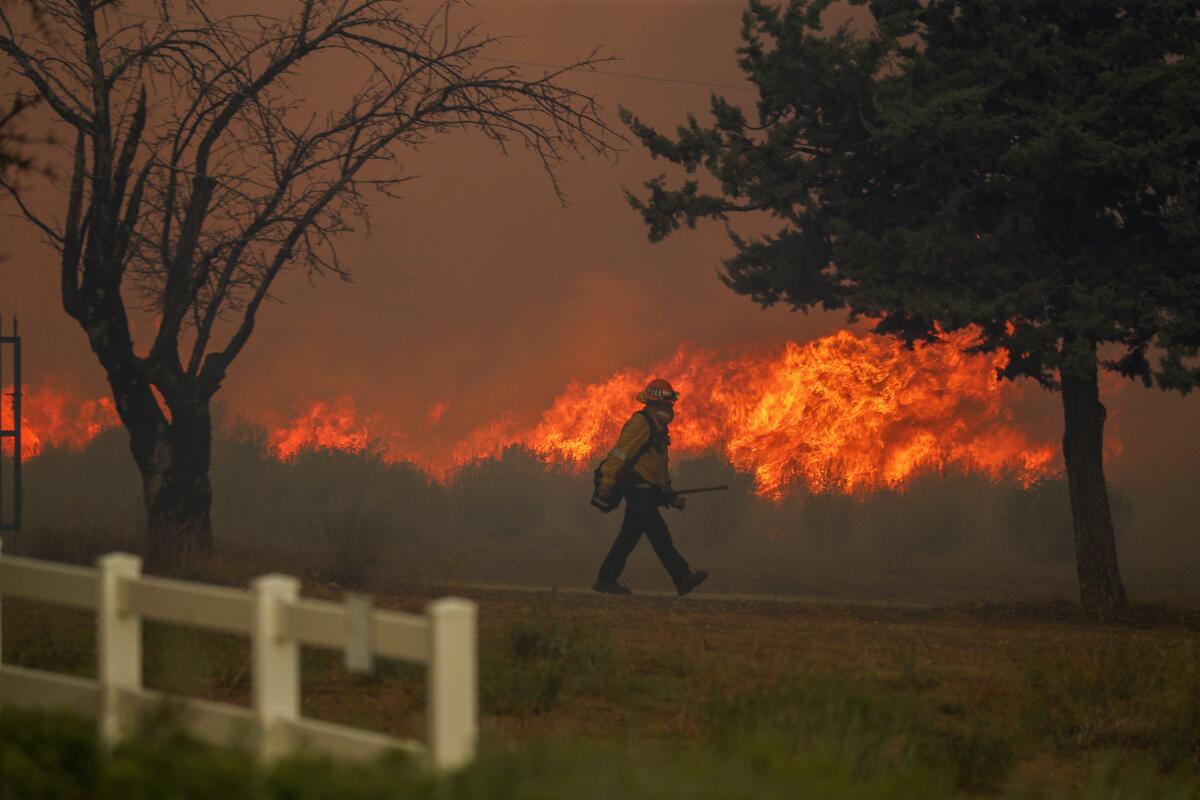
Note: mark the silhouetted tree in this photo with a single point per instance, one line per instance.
(1027, 167)
(14, 153)
(14, 157)
(199, 176)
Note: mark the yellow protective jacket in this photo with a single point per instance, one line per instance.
(653, 467)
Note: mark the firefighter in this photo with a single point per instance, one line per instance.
(638, 467)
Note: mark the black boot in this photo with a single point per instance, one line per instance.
(691, 582)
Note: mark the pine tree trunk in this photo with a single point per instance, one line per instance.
(1100, 585)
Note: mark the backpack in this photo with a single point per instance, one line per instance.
(611, 502)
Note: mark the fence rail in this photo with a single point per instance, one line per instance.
(278, 622)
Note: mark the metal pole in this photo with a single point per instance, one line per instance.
(14, 432)
(2, 343)
(16, 425)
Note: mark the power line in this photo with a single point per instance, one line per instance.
(613, 73)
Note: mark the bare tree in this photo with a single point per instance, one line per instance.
(14, 141)
(14, 156)
(199, 176)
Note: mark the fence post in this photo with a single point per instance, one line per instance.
(453, 703)
(118, 642)
(276, 663)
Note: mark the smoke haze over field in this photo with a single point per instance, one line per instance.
(477, 296)
(361, 523)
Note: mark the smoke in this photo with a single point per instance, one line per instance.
(477, 290)
(359, 522)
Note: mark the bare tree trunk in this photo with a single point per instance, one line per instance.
(1100, 585)
(177, 489)
(173, 456)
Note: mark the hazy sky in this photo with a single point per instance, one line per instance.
(478, 275)
(478, 290)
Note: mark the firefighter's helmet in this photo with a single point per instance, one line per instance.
(658, 391)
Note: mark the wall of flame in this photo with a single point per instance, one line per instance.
(54, 417)
(844, 413)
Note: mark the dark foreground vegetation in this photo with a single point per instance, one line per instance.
(589, 697)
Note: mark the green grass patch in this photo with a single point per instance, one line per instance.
(1116, 696)
(540, 662)
(869, 734)
(852, 748)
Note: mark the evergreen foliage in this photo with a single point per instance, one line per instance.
(1029, 167)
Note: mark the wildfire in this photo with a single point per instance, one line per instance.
(843, 413)
(326, 426)
(52, 417)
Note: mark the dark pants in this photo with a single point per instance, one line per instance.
(642, 516)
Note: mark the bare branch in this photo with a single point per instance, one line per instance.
(53, 235)
(200, 176)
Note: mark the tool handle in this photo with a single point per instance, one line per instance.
(701, 489)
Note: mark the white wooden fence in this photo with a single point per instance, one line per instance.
(278, 622)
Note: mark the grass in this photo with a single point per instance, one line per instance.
(862, 749)
(650, 697)
(540, 661)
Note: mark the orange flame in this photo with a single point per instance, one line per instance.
(843, 413)
(326, 426)
(435, 413)
(52, 417)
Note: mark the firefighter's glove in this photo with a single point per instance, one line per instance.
(675, 501)
(605, 491)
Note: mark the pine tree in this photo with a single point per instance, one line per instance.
(1029, 168)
